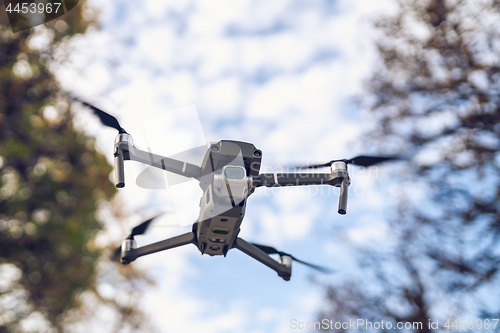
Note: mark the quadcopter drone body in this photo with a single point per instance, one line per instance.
(228, 175)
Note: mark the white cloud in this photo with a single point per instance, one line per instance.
(223, 96)
(161, 41)
(371, 231)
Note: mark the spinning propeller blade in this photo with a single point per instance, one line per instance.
(141, 228)
(371, 160)
(362, 160)
(138, 230)
(105, 118)
(272, 250)
(116, 254)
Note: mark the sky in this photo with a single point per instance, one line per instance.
(281, 75)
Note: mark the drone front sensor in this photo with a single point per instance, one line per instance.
(228, 175)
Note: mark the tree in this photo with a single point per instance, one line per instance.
(435, 95)
(52, 183)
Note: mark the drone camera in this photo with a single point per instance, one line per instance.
(232, 182)
(234, 172)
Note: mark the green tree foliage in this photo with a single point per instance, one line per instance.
(435, 96)
(52, 182)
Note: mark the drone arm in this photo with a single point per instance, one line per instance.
(338, 178)
(343, 196)
(158, 161)
(119, 168)
(295, 179)
(256, 253)
(132, 254)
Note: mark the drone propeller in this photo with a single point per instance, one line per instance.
(105, 117)
(272, 250)
(362, 160)
(138, 230)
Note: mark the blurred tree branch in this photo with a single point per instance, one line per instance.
(52, 183)
(436, 96)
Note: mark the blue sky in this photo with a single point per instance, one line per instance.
(278, 74)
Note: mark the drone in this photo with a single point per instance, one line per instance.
(228, 175)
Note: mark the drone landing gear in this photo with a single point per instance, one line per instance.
(283, 268)
(129, 254)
